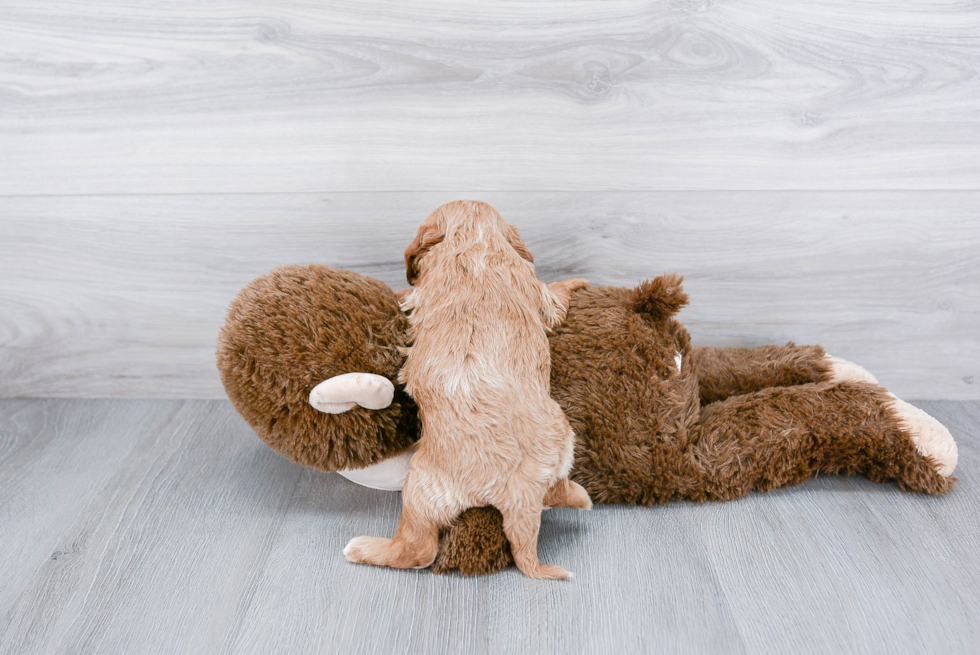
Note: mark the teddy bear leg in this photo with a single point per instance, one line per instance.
(566, 493)
(932, 439)
(782, 436)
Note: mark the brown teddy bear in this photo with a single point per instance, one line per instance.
(310, 355)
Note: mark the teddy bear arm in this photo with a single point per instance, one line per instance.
(726, 372)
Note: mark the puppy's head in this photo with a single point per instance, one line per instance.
(459, 220)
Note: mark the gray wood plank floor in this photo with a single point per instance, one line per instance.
(166, 526)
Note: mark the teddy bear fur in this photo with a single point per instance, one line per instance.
(721, 424)
(297, 326)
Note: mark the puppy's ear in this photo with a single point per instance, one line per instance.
(514, 239)
(428, 236)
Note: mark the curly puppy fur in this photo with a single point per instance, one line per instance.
(478, 368)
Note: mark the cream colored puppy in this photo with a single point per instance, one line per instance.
(479, 370)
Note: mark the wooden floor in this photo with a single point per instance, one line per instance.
(167, 527)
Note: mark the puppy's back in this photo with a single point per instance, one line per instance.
(479, 326)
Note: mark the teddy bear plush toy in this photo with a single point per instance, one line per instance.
(309, 356)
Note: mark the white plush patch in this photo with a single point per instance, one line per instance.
(930, 436)
(341, 393)
(386, 475)
(842, 370)
(678, 359)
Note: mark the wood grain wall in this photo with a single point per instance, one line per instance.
(813, 168)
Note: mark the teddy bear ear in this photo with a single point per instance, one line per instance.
(659, 298)
(340, 393)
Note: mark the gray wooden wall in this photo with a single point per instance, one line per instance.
(812, 168)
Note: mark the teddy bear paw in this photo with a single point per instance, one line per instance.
(842, 370)
(931, 437)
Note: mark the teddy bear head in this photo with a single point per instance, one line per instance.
(321, 325)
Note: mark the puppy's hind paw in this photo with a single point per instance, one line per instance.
(577, 496)
(365, 550)
(567, 493)
(548, 572)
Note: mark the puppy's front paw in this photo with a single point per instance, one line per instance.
(576, 283)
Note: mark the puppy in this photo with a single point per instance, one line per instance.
(479, 370)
